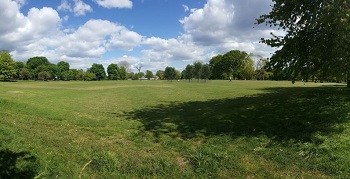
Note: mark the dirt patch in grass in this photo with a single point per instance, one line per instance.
(15, 92)
(182, 162)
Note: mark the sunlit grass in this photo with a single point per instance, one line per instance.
(164, 129)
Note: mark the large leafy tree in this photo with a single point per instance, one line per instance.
(188, 72)
(123, 73)
(50, 69)
(217, 67)
(7, 66)
(77, 74)
(113, 72)
(34, 63)
(316, 42)
(205, 72)
(18, 67)
(234, 63)
(248, 69)
(44, 75)
(169, 73)
(98, 70)
(25, 74)
(149, 74)
(196, 69)
(160, 74)
(88, 76)
(229, 65)
(63, 70)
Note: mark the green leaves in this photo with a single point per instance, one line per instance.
(170, 73)
(113, 72)
(316, 36)
(98, 70)
(234, 64)
(7, 66)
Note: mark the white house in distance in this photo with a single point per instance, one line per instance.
(153, 78)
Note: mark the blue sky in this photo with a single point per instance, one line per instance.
(154, 33)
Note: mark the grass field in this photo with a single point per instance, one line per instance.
(162, 129)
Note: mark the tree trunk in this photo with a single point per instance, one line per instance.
(348, 84)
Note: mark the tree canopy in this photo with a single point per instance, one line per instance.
(233, 64)
(63, 69)
(316, 42)
(188, 72)
(98, 70)
(169, 73)
(123, 73)
(205, 72)
(34, 63)
(7, 66)
(149, 74)
(113, 72)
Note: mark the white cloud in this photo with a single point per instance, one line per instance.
(223, 25)
(186, 8)
(91, 41)
(21, 30)
(21, 2)
(210, 24)
(220, 26)
(79, 8)
(124, 39)
(170, 50)
(10, 16)
(114, 3)
(65, 6)
(39, 34)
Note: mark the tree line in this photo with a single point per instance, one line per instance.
(233, 65)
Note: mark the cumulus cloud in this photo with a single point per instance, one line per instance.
(220, 26)
(20, 30)
(65, 6)
(210, 24)
(124, 39)
(20, 2)
(89, 41)
(171, 50)
(10, 16)
(227, 24)
(114, 3)
(79, 8)
(40, 34)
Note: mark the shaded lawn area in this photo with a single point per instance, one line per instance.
(282, 114)
(303, 127)
(17, 164)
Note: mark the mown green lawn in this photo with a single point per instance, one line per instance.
(162, 129)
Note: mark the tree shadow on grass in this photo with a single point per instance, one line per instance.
(17, 165)
(7, 81)
(281, 114)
